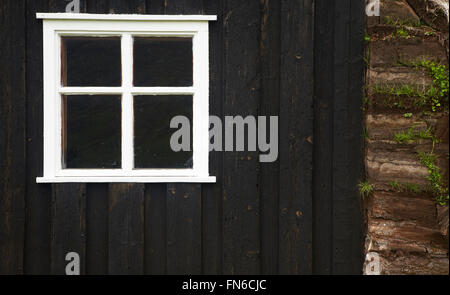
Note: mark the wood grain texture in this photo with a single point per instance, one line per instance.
(183, 223)
(296, 137)
(323, 137)
(269, 105)
(68, 225)
(126, 229)
(12, 136)
(347, 140)
(97, 203)
(212, 259)
(155, 229)
(241, 227)
(38, 197)
(126, 219)
(184, 229)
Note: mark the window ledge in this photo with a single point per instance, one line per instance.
(125, 179)
(122, 17)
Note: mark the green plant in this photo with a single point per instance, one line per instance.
(365, 103)
(367, 37)
(401, 22)
(412, 134)
(438, 93)
(394, 185)
(401, 33)
(365, 188)
(436, 182)
(366, 133)
(407, 115)
(411, 188)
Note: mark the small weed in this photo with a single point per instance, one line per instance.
(401, 33)
(412, 135)
(365, 188)
(395, 185)
(435, 178)
(411, 188)
(408, 115)
(365, 103)
(367, 38)
(366, 133)
(401, 22)
(437, 94)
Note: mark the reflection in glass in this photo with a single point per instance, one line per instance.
(91, 61)
(162, 61)
(152, 132)
(91, 131)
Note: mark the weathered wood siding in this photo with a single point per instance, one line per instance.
(301, 60)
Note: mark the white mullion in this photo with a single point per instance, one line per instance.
(163, 90)
(127, 103)
(90, 90)
(200, 104)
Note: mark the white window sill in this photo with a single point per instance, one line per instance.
(125, 179)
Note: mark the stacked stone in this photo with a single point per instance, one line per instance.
(406, 228)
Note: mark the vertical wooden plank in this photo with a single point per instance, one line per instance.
(126, 201)
(183, 200)
(68, 225)
(212, 192)
(347, 153)
(184, 229)
(241, 228)
(323, 137)
(97, 228)
(12, 134)
(38, 196)
(154, 6)
(183, 6)
(269, 106)
(97, 199)
(155, 204)
(68, 210)
(155, 229)
(126, 229)
(116, 6)
(296, 135)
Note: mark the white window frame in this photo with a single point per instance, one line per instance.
(56, 25)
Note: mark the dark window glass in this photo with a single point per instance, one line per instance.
(91, 61)
(92, 131)
(152, 132)
(162, 62)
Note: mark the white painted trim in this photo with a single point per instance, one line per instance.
(127, 104)
(164, 179)
(57, 25)
(124, 17)
(133, 90)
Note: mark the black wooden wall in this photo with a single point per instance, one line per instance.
(301, 60)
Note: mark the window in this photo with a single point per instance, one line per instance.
(112, 84)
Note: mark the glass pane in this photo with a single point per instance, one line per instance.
(91, 61)
(92, 131)
(152, 132)
(162, 62)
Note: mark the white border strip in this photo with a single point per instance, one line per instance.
(102, 179)
(134, 17)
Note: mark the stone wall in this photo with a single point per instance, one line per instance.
(407, 231)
